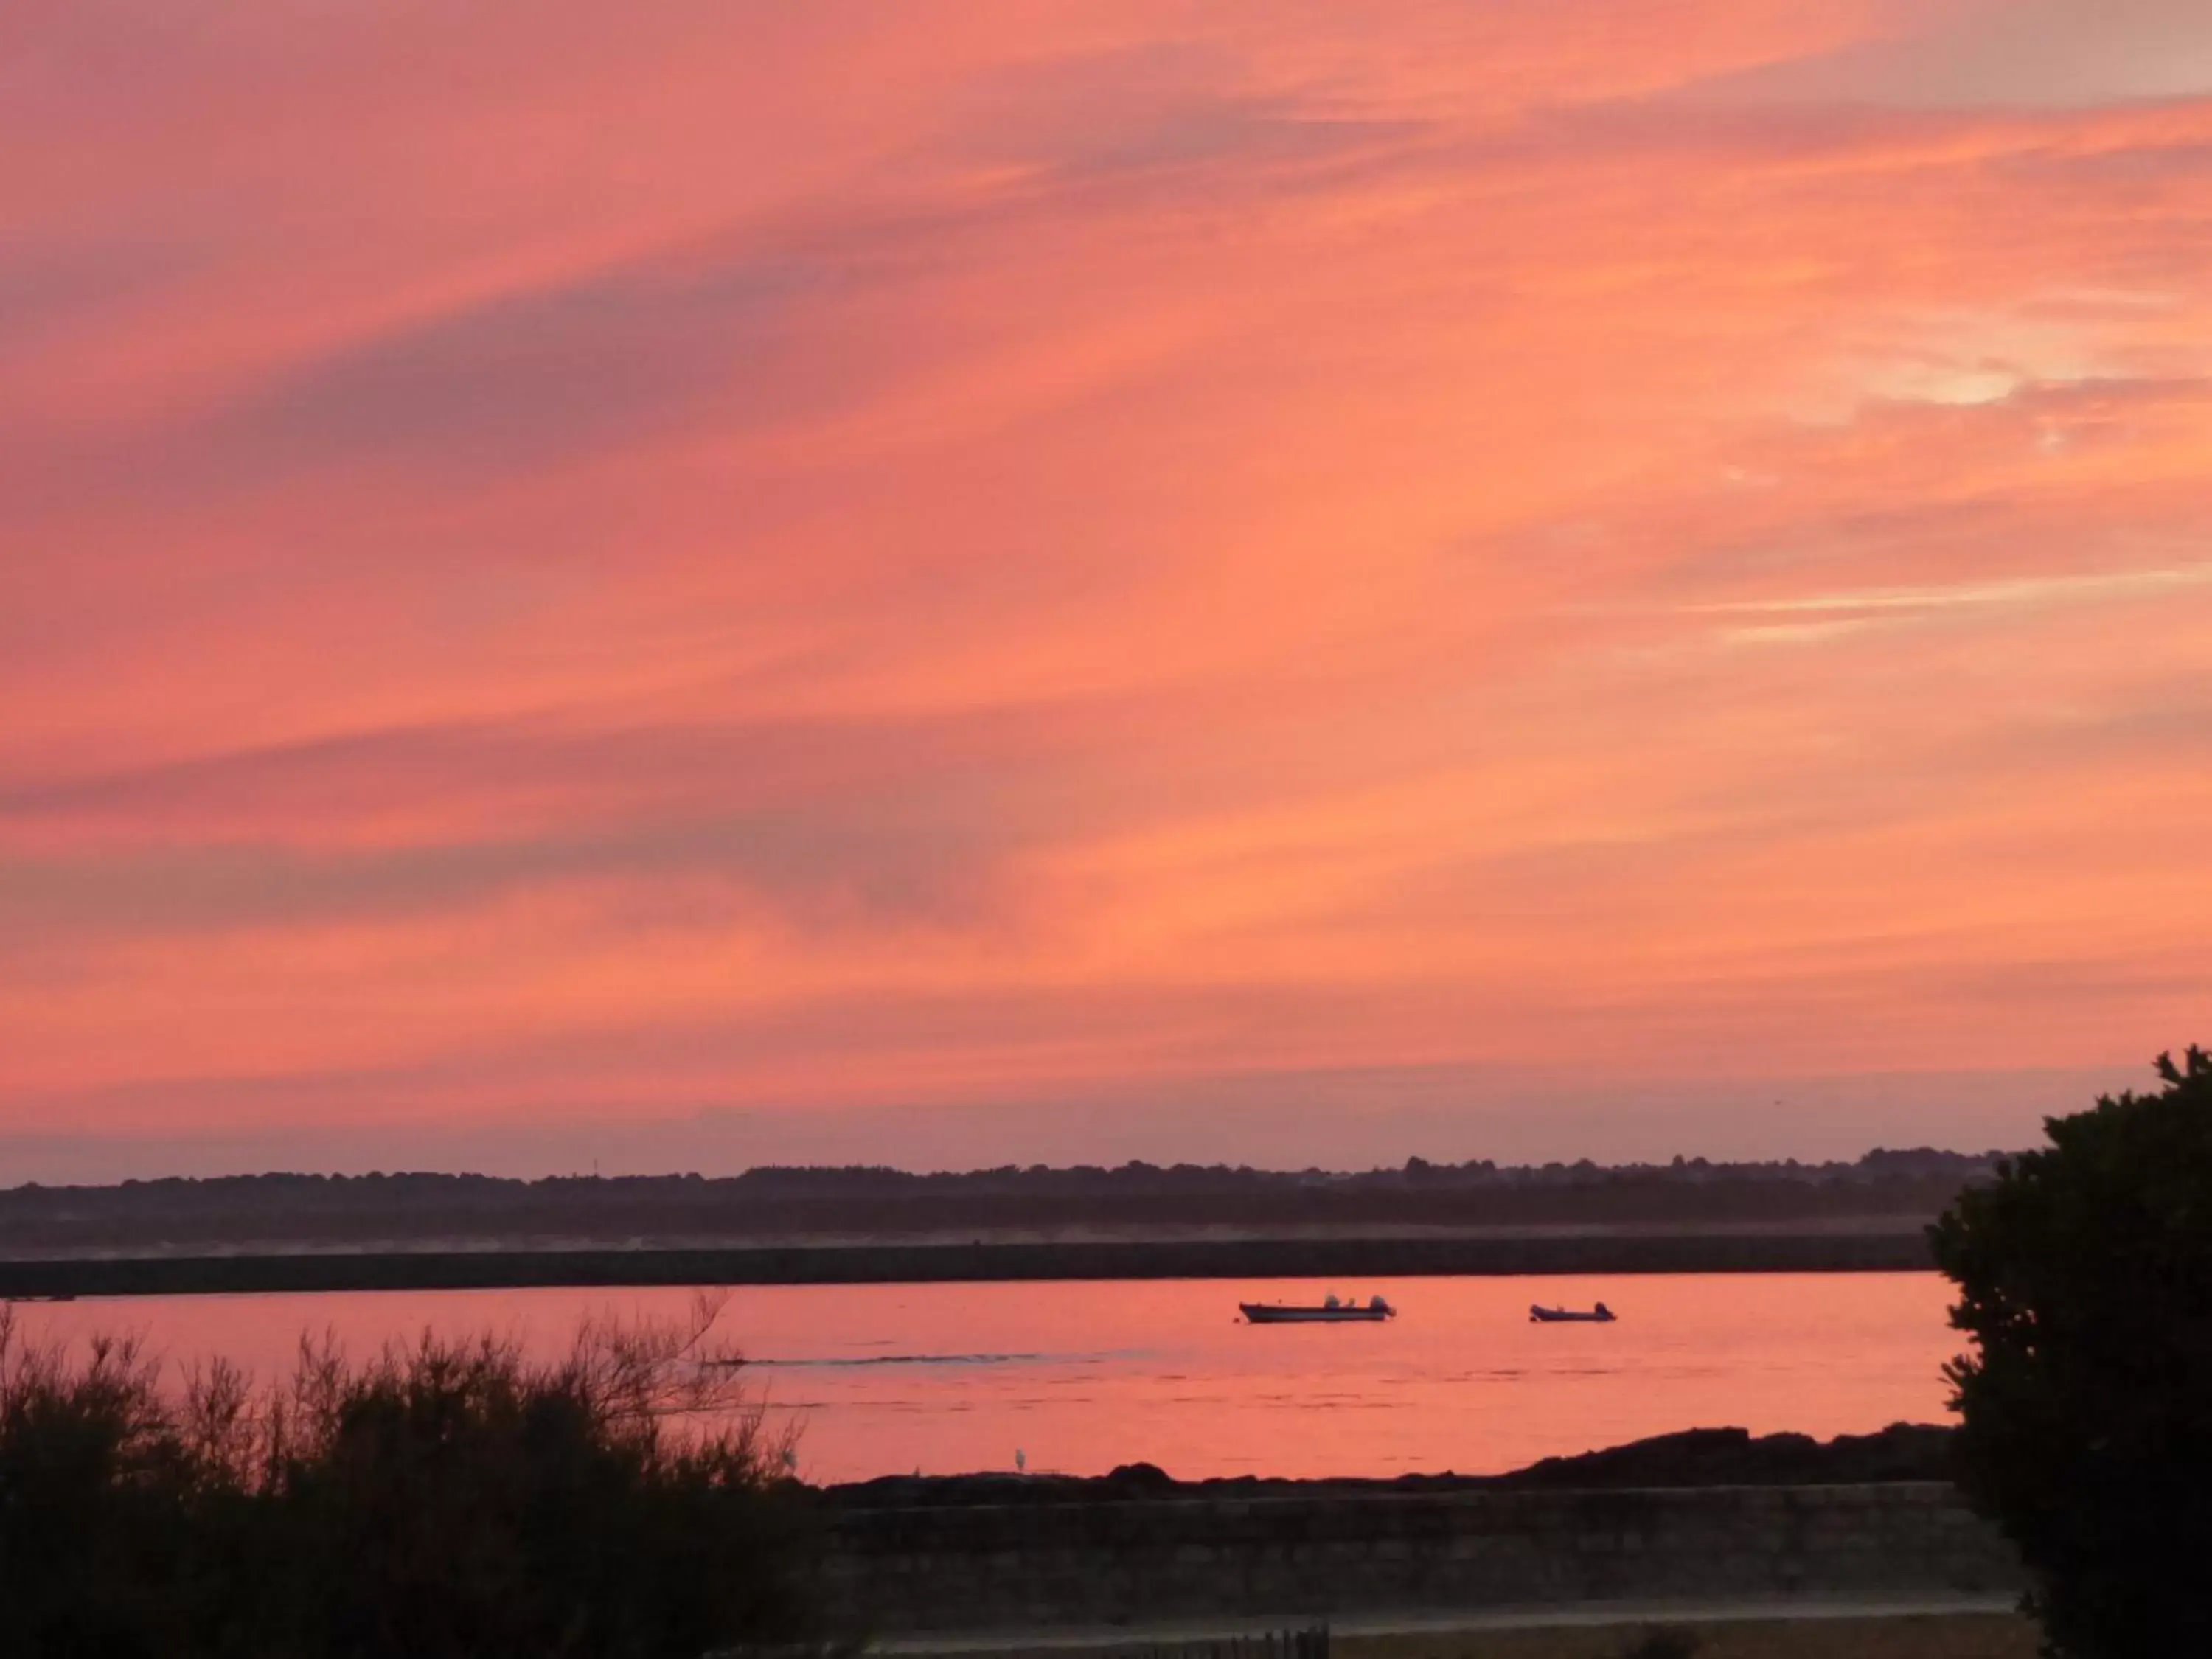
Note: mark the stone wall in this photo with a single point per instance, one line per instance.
(993, 1567)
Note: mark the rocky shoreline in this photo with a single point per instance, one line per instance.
(1692, 1458)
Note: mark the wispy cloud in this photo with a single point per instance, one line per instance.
(1850, 611)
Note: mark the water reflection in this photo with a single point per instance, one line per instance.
(951, 1377)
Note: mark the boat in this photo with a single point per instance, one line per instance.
(1601, 1315)
(1329, 1311)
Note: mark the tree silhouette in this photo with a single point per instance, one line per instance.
(2085, 1279)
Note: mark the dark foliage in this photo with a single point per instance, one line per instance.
(2084, 1278)
(278, 1209)
(95, 1479)
(449, 1501)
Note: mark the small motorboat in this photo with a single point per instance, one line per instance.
(1601, 1315)
(1328, 1312)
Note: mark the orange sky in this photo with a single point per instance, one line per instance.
(942, 584)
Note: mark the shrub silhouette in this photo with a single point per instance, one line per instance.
(96, 1477)
(447, 1500)
(2085, 1277)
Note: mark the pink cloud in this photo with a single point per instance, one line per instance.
(806, 560)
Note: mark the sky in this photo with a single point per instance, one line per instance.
(941, 584)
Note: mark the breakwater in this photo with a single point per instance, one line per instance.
(895, 1262)
(933, 1568)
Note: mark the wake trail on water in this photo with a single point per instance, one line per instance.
(855, 1362)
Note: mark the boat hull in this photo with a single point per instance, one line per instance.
(1568, 1316)
(1262, 1313)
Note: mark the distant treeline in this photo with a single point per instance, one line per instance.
(799, 1202)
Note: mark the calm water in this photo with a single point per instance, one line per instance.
(890, 1379)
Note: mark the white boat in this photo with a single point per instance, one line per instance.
(1601, 1315)
(1330, 1311)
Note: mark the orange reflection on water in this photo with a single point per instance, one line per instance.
(1080, 1376)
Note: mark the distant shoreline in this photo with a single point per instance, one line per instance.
(1879, 1248)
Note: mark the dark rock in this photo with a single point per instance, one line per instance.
(1723, 1457)
(1694, 1457)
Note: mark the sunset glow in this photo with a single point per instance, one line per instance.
(953, 584)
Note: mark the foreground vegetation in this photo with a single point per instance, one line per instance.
(2085, 1277)
(453, 1500)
